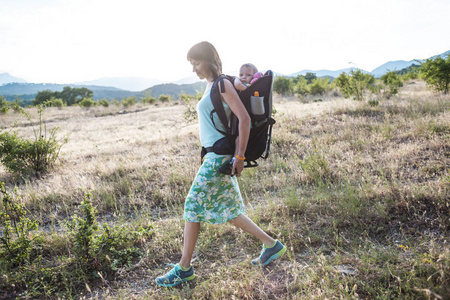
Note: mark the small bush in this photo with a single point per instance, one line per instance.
(56, 102)
(373, 103)
(164, 98)
(129, 101)
(301, 86)
(283, 85)
(319, 86)
(17, 245)
(103, 102)
(393, 81)
(148, 99)
(4, 105)
(31, 157)
(87, 102)
(113, 248)
(190, 113)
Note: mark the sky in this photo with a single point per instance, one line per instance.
(66, 41)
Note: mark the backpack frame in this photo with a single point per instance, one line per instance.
(258, 145)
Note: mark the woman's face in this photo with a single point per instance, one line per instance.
(201, 68)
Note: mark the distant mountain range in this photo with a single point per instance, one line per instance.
(125, 83)
(396, 65)
(122, 87)
(6, 78)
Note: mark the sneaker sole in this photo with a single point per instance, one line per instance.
(275, 256)
(176, 283)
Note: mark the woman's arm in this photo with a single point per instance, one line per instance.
(237, 107)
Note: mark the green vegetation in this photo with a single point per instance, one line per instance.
(436, 72)
(87, 252)
(393, 81)
(148, 99)
(4, 105)
(70, 96)
(359, 194)
(24, 157)
(164, 98)
(282, 85)
(129, 101)
(355, 84)
(103, 102)
(87, 102)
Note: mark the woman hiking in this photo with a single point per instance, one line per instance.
(214, 197)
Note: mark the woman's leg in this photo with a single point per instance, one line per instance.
(243, 222)
(191, 231)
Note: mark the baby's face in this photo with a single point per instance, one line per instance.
(246, 74)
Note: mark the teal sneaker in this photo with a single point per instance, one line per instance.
(269, 254)
(175, 276)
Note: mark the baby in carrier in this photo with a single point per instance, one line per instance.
(248, 74)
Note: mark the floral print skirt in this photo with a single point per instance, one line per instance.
(214, 198)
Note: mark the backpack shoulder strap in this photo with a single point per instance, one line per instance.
(218, 88)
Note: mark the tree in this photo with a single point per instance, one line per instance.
(436, 72)
(300, 85)
(343, 83)
(72, 96)
(282, 85)
(44, 96)
(310, 77)
(393, 81)
(356, 83)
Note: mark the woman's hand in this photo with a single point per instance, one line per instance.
(238, 166)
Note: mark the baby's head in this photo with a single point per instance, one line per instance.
(246, 73)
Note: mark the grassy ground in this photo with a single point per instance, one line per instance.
(359, 194)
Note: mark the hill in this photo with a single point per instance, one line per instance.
(174, 90)
(28, 91)
(125, 83)
(6, 78)
(391, 66)
(324, 73)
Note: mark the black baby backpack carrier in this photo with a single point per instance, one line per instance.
(257, 99)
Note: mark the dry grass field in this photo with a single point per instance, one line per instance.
(359, 194)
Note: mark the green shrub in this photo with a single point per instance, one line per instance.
(4, 105)
(82, 230)
(56, 102)
(301, 86)
(190, 113)
(283, 85)
(129, 101)
(148, 99)
(373, 102)
(87, 102)
(25, 157)
(164, 98)
(319, 86)
(103, 102)
(393, 81)
(114, 102)
(436, 72)
(356, 83)
(112, 248)
(17, 245)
